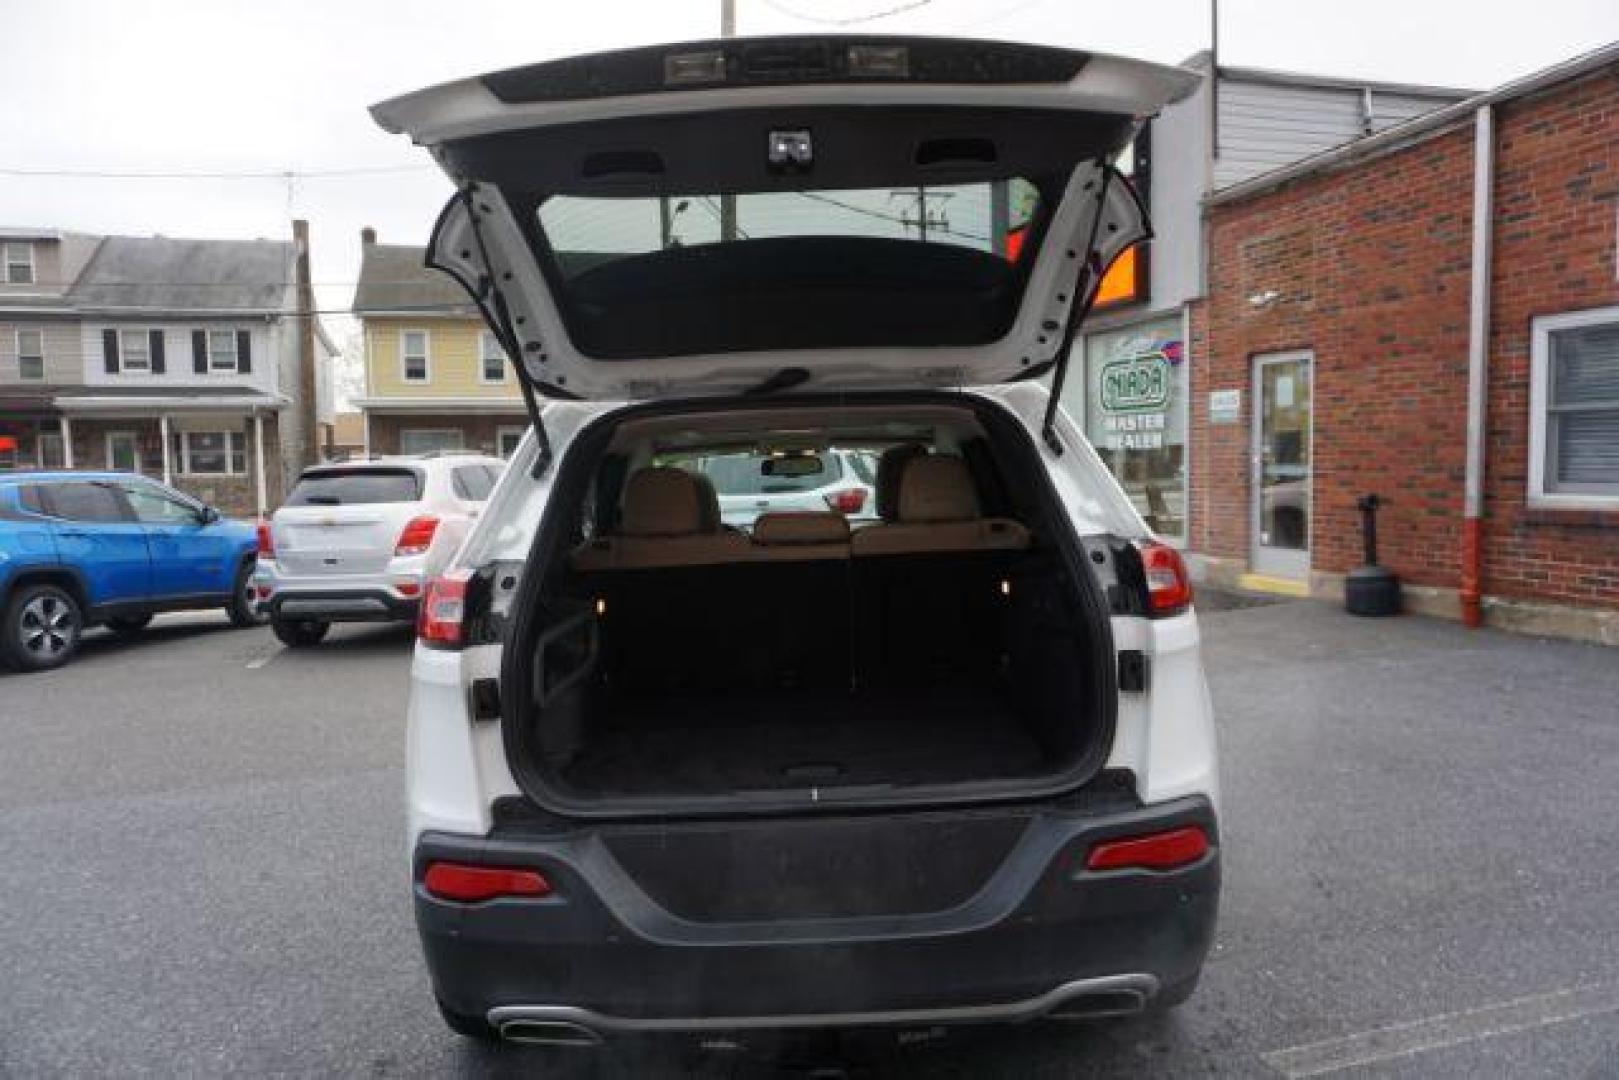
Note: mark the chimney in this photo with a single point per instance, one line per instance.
(368, 235)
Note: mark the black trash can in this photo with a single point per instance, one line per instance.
(1371, 589)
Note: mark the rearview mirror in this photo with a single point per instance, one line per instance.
(793, 465)
(208, 515)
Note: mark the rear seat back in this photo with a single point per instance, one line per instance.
(938, 512)
(927, 587)
(666, 521)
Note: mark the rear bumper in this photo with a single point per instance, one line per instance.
(1043, 935)
(391, 596)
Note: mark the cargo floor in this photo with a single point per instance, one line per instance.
(756, 741)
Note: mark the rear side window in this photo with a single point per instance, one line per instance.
(472, 482)
(84, 502)
(352, 487)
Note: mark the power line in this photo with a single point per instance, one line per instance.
(855, 20)
(280, 175)
(901, 220)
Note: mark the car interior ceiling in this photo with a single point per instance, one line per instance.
(937, 643)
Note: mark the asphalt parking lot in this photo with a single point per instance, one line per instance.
(202, 869)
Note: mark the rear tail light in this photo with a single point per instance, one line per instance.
(417, 535)
(1155, 851)
(1169, 585)
(440, 621)
(475, 884)
(266, 541)
(851, 501)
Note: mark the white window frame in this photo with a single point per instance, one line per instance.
(427, 357)
(509, 429)
(229, 434)
(134, 440)
(489, 349)
(28, 251)
(1540, 371)
(143, 340)
(40, 331)
(235, 360)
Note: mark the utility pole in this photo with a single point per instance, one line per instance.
(305, 444)
(727, 199)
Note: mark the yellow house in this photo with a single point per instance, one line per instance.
(435, 377)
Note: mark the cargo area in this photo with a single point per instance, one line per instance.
(945, 643)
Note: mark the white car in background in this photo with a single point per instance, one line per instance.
(747, 486)
(355, 542)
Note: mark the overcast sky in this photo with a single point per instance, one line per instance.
(272, 85)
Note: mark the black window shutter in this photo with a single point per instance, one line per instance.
(199, 351)
(244, 351)
(156, 338)
(109, 350)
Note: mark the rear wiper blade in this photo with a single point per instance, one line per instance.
(323, 500)
(785, 379)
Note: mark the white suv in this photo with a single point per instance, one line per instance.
(955, 764)
(355, 542)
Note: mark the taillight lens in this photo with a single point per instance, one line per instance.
(1169, 585)
(1156, 851)
(475, 884)
(266, 541)
(443, 610)
(851, 501)
(417, 535)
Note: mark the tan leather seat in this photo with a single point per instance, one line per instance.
(938, 512)
(666, 521)
(801, 534)
(890, 467)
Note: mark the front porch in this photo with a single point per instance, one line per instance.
(227, 457)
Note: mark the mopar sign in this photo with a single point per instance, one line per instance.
(1136, 383)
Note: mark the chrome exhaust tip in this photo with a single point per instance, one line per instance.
(1092, 1006)
(549, 1033)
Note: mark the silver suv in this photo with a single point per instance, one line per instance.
(355, 541)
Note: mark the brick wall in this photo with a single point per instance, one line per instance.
(1368, 267)
(1557, 209)
(478, 432)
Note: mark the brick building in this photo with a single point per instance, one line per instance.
(1376, 312)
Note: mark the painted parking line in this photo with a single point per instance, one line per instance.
(263, 658)
(1441, 1032)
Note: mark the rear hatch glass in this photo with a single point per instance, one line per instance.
(353, 487)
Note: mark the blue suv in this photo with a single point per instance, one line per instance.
(79, 549)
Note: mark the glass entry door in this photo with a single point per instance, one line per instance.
(1281, 465)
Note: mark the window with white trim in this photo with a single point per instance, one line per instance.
(413, 355)
(1574, 410)
(134, 350)
(19, 263)
(30, 354)
(222, 350)
(491, 359)
(213, 453)
(430, 440)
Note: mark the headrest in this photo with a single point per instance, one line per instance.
(937, 488)
(889, 469)
(708, 502)
(660, 501)
(801, 527)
